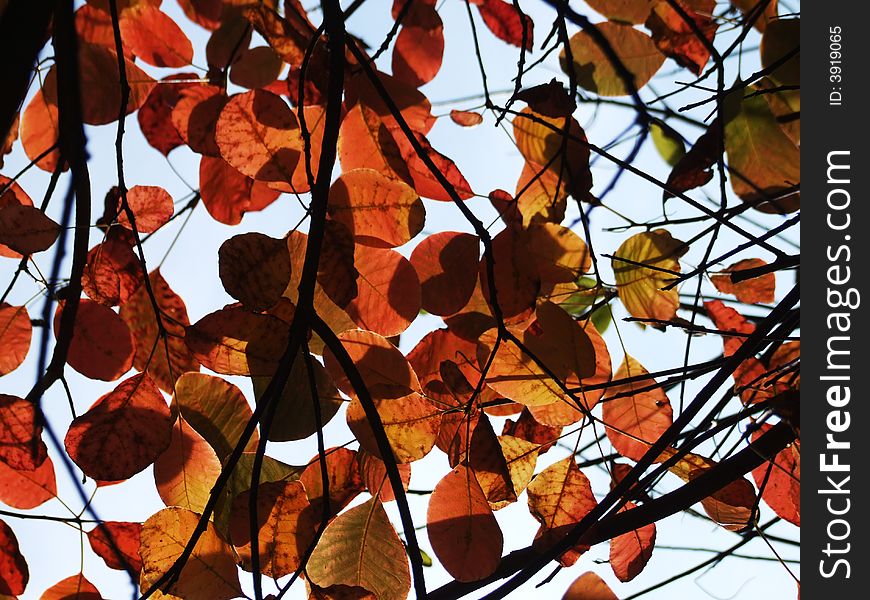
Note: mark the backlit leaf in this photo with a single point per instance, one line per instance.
(258, 134)
(102, 344)
(373, 472)
(589, 586)
(75, 587)
(254, 268)
(630, 552)
(411, 424)
(123, 432)
(195, 117)
(24, 489)
(110, 538)
(506, 22)
(559, 497)
(21, 446)
(13, 568)
(13, 195)
(151, 351)
(113, 272)
(639, 287)
(187, 470)
(639, 416)
(378, 211)
(623, 11)
(26, 229)
(155, 115)
(210, 573)
(419, 46)
(256, 68)
(154, 37)
(39, 132)
(389, 295)
(286, 527)
(462, 529)
(757, 289)
(782, 492)
(676, 38)
(151, 205)
(595, 71)
(360, 548)
(445, 264)
(228, 194)
(15, 335)
(342, 471)
(466, 118)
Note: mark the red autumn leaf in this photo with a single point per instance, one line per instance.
(13, 568)
(117, 543)
(365, 142)
(548, 99)
(154, 37)
(113, 272)
(389, 291)
(123, 432)
(507, 23)
(378, 211)
(187, 470)
(373, 472)
(466, 118)
(782, 492)
(24, 489)
(12, 195)
(102, 344)
(151, 205)
(21, 446)
(234, 341)
(39, 132)
(155, 115)
(462, 529)
(26, 229)
(528, 428)
(630, 552)
(15, 334)
(195, 116)
(258, 134)
(751, 291)
(419, 46)
(426, 184)
(412, 103)
(559, 497)
(163, 359)
(728, 320)
(254, 269)
(343, 474)
(94, 26)
(289, 35)
(256, 68)
(676, 38)
(441, 345)
(589, 586)
(75, 587)
(445, 264)
(228, 194)
(694, 169)
(635, 416)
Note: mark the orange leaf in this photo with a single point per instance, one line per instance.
(151, 351)
(419, 46)
(389, 291)
(24, 489)
(623, 11)
(258, 134)
(637, 418)
(589, 586)
(639, 287)
(123, 432)
(342, 471)
(286, 527)
(234, 341)
(75, 587)
(506, 22)
(13, 568)
(216, 409)
(782, 493)
(542, 195)
(254, 269)
(559, 497)
(466, 118)
(228, 194)
(195, 117)
(256, 68)
(528, 428)
(211, 570)
(596, 72)
(378, 211)
(26, 229)
(445, 264)
(289, 35)
(751, 291)
(155, 115)
(411, 424)
(102, 344)
(39, 132)
(360, 548)
(187, 470)
(630, 552)
(422, 178)
(21, 446)
(15, 334)
(151, 205)
(463, 531)
(384, 369)
(413, 104)
(676, 38)
(374, 473)
(111, 538)
(113, 272)
(12, 195)
(154, 37)
(365, 142)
